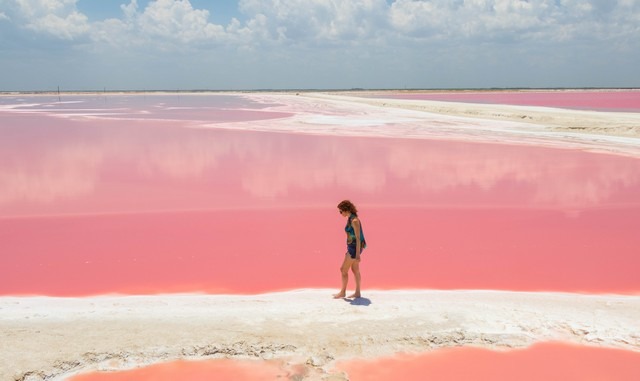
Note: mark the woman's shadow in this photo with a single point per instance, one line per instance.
(358, 301)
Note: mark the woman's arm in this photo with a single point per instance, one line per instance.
(356, 229)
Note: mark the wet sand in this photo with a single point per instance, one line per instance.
(53, 338)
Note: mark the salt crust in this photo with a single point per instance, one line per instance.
(52, 338)
(344, 114)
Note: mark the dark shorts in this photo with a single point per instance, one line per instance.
(351, 250)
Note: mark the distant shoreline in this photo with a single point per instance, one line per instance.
(337, 91)
(596, 130)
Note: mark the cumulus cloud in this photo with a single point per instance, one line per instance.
(342, 21)
(173, 20)
(357, 39)
(300, 20)
(161, 20)
(511, 19)
(59, 18)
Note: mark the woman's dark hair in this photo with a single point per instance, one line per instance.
(348, 206)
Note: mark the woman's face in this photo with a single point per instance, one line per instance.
(343, 213)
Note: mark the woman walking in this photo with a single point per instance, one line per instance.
(355, 244)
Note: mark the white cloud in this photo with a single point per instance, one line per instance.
(161, 23)
(177, 20)
(164, 25)
(497, 20)
(59, 18)
(360, 43)
(476, 19)
(341, 21)
(313, 20)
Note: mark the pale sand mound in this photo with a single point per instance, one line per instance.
(50, 338)
(558, 119)
(344, 115)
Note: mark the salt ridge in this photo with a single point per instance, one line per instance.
(303, 327)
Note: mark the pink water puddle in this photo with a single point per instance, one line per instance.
(103, 205)
(214, 370)
(541, 362)
(600, 100)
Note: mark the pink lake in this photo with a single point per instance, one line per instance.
(119, 194)
(142, 205)
(599, 100)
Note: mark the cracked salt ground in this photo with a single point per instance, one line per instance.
(127, 332)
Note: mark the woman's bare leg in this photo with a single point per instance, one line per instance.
(355, 268)
(344, 270)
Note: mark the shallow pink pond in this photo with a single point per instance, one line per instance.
(600, 100)
(104, 205)
(546, 361)
(213, 370)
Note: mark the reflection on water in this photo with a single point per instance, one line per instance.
(78, 167)
(185, 107)
(165, 207)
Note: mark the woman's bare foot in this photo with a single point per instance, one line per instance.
(354, 296)
(339, 295)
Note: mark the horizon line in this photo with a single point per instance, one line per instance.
(195, 90)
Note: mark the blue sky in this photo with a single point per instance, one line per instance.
(220, 11)
(279, 44)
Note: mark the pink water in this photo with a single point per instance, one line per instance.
(600, 100)
(545, 361)
(214, 370)
(151, 106)
(104, 205)
(541, 362)
(129, 200)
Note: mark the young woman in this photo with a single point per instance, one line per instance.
(355, 244)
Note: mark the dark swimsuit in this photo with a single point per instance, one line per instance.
(351, 238)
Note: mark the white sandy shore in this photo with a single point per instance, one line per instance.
(558, 119)
(345, 114)
(354, 114)
(46, 338)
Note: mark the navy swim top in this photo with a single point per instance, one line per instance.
(351, 234)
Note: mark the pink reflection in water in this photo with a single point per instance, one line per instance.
(548, 361)
(211, 370)
(99, 206)
(210, 108)
(601, 100)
